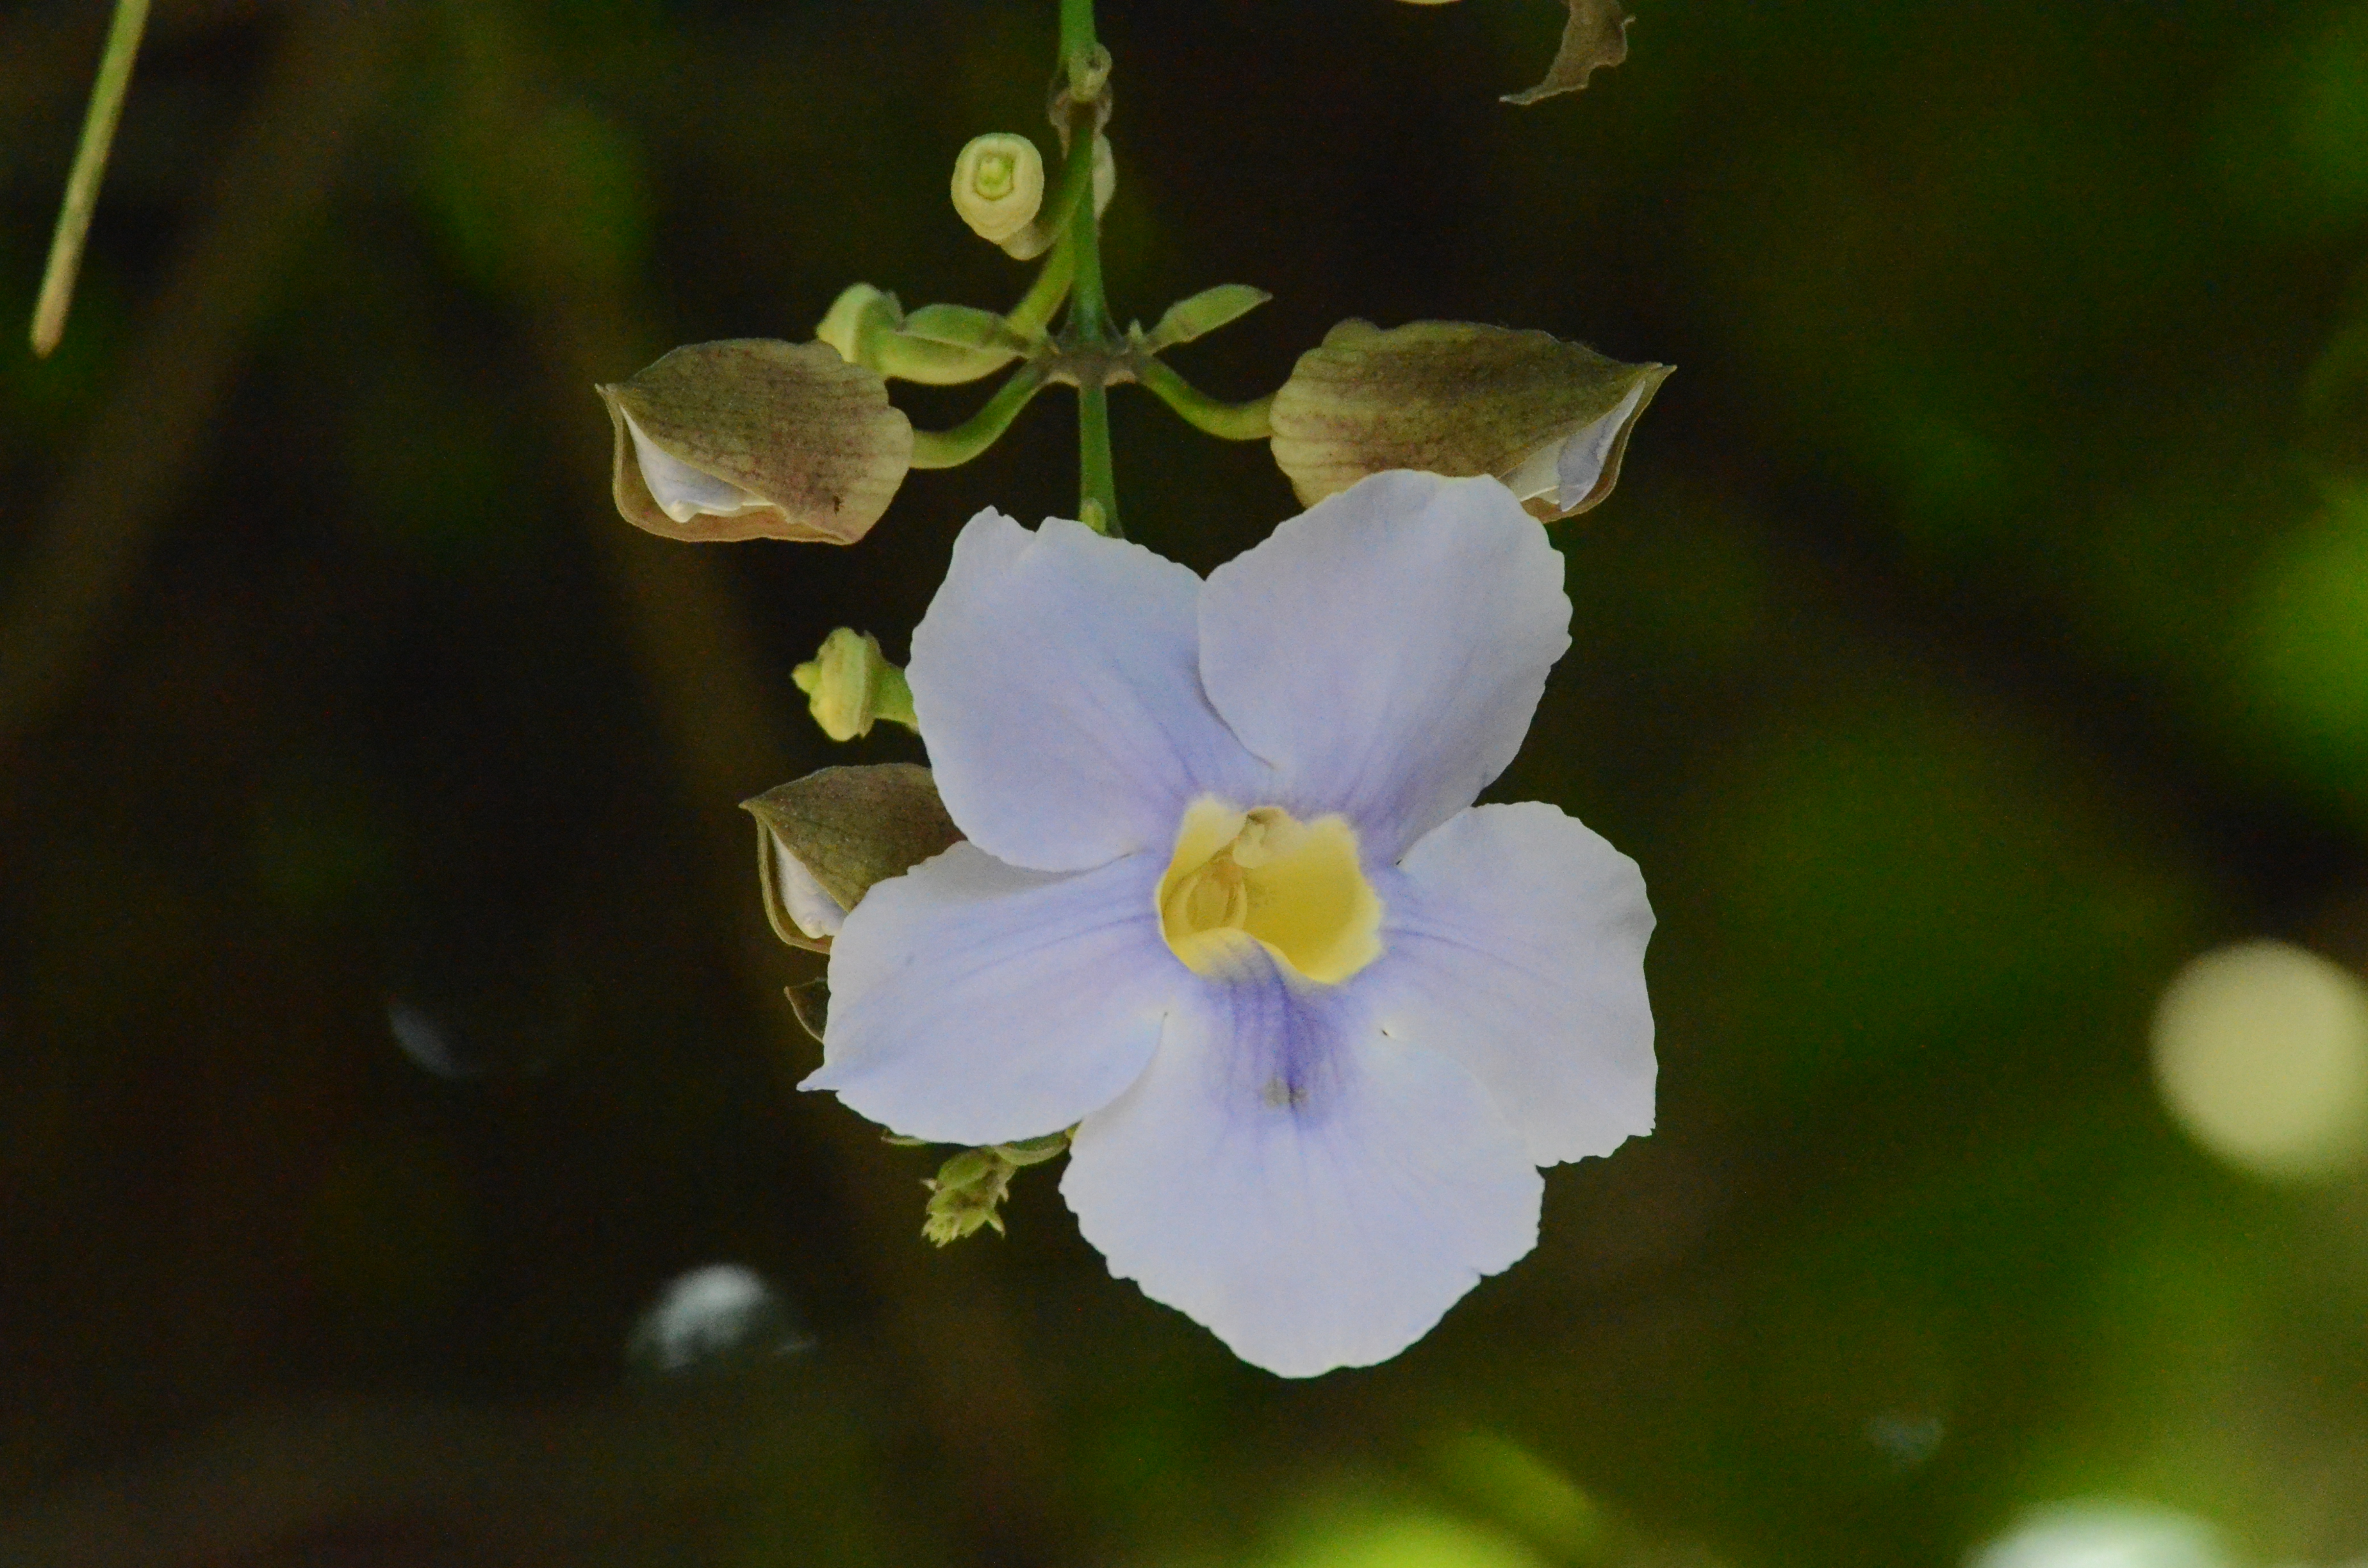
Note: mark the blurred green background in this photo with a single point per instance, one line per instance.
(387, 1022)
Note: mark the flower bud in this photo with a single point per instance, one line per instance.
(824, 840)
(860, 313)
(939, 345)
(851, 686)
(750, 438)
(965, 1194)
(968, 1189)
(998, 185)
(1551, 419)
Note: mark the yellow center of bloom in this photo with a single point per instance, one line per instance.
(1295, 888)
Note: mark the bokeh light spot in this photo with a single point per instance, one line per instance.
(2260, 1050)
(1411, 1540)
(716, 1316)
(2310, 640)
(2104, 1535)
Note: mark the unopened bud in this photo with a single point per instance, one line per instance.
(1551, 419)
(968, 1191)
(822, 842)
(998, 185)
(939, 346)
(860, 313)
(851, 686)
(751, 438)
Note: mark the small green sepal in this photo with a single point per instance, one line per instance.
(964, 326)
(1203, 313)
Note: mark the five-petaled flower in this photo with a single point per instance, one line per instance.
(1227, 907)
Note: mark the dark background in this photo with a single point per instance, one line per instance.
(1980, 630)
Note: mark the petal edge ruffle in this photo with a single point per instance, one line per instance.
(1515, 943)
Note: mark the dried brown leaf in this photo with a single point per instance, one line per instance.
(1597, 34)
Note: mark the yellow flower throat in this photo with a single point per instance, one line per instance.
(1297, 889)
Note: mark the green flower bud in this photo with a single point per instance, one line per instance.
(750, 438)
(1551, 419)
(968, 1191)
(851, 686)
(998, 185)
(1031, 238)
(940, 346)
(860, 313)
(824, 840)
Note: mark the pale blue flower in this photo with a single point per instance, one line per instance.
(1227, 909)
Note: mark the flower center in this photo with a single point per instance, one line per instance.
(1263, 876)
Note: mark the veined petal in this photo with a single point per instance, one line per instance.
(972, 1001)
(1317, 1194)
(1384, 649)
(1515, 943)
(1057, 680)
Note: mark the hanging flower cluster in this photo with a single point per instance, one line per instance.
(1194, 892)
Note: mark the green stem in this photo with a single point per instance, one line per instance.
(949, 448)
(1088, 323)
(1227, 421)
(1034, 312)
(1076, 29)
(90, 162)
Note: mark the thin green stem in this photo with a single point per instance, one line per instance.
(1034, 312)
(951, 449)
(1227, 421)
(1088, 323)
(1076, 29)
(90, 162)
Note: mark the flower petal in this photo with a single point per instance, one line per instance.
(1515, 944)
(975, 1002)
(1056, 677)
(1315, 1193)
(803, 898)
(1384, 649)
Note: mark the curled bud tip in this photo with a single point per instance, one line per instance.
(859, 314)
(998, 185)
